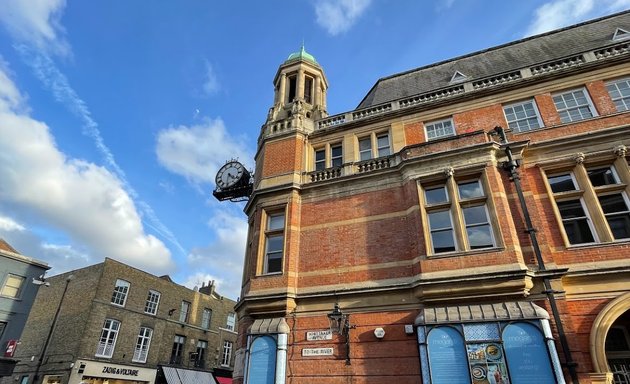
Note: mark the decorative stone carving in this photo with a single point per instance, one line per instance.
(620, 150)
(449, 172)
(579, 158)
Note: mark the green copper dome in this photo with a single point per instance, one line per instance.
(301, 55)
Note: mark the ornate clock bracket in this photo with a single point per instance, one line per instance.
(233, 182)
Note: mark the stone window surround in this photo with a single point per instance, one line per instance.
(455, 205)
(578, 167)
(531, 101)
(375, 149)
(267, 213)
(433, 125)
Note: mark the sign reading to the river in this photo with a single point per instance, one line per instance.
(319, 335)
(317, 352)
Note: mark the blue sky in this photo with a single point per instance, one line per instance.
(115, 115)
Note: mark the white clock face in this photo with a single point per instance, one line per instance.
(230, 174)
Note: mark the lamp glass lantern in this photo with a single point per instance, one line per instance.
(337, 320)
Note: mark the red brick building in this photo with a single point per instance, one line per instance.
(452, 251)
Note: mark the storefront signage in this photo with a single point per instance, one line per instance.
(10, 351)
(319, 335)
(317, 352)
(120, 371)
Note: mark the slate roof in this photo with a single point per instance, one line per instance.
(537, 49)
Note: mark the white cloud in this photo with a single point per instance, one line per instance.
(36, 22)
(10, 225)
(198, 151)
(337, 16)
(225, 255)
(210, 83)
(561, 13)
(85, 201)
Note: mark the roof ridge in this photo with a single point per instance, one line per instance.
(4, 246)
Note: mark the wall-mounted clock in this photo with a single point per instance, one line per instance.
(231, 174)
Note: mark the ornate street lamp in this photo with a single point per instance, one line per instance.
(340, 324)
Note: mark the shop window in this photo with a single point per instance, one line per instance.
(142, 345)
(184, 311)
(231, 321)
(262, 359)
(274, 242)
(619, 91)
(178, 349)
(12, 286)
(121, 289)
(107, 341)
(592, 204)
(226, 357)
(522, 116)
(441, 128)
(457, 216)
(153, 300)
(206, 317)
(491, 352)
(574, 105)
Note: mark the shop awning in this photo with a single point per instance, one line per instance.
(514, 310)
(187, 376)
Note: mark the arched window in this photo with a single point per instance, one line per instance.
(527, 354)
(262, 360)
(447, 356)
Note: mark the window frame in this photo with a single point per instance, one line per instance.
(589, 195)
(455, 205)
(184, 315)
(624, 99)
(309, 91)
(226, 355)
(230, 322)
(334, 158)
(270, 233)
(206, 320)
(149, 303)
(117, 294)
(589, 104)
(432, 123)
(106, 331)
(375, 150)
(177, 349)
(522, 103)
(143, 344)
(18, 290)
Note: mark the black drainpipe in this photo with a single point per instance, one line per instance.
(511, 166)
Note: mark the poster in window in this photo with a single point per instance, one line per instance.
(447, 356)
(527, 354)
(262, 361)
(487, 364)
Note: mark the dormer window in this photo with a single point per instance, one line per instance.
(621, 34)
(458, 77)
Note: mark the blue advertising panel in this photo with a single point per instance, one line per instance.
(447, 357)
(262, 361)
(527, 356)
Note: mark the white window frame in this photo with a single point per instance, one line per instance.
(206, 318)
(227, 354)
(184, 311)
(272, 233)
(230, 323)
(365, 154)
(333, 158)
(320, 164)
(432, 125)
(121, 290)
(613, 86)
(517, 127)
(153, 302)
(379, 148)
(589, 104)
(143, 344)
(106, 348)
(18, 289)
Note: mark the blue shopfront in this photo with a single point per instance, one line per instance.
(505, 343)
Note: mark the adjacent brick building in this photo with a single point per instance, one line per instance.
(20, 278)
(455, 250)
(117, 324)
